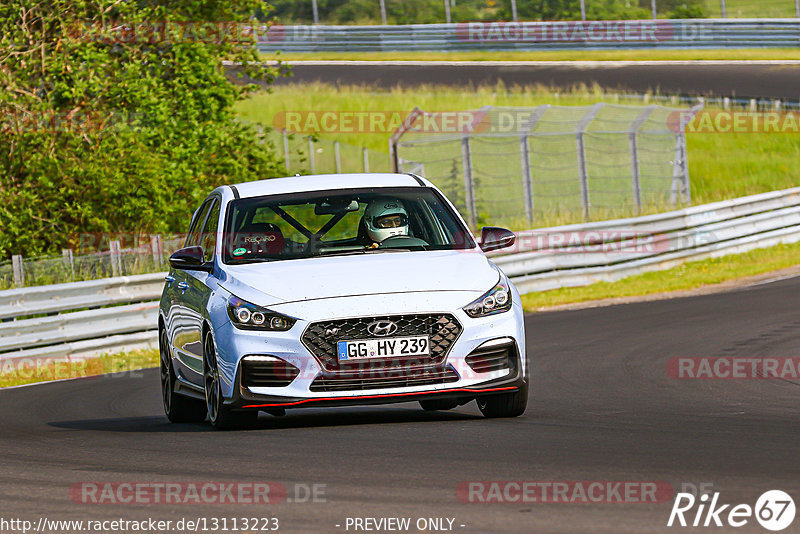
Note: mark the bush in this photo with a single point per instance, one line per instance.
(105, 133)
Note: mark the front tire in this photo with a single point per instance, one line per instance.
(179, 409)
(220, 416)
(504, 405)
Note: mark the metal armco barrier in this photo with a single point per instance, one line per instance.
(115, 314)
(558, 35)
(583, 254)
(121, 313)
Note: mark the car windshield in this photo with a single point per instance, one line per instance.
(327, 223)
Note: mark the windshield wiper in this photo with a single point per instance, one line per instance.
(362, 251)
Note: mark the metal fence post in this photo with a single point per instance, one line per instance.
(286, 149)
(797, 8)
(680, 172)
(634, 147)
(724, 11)
(514, 10)
(19, 270)
(527, 181)
(580, 130)
(311, 154)
(158, 249)
(337, 157)
(116, 258)
(383, 12)
(583, 9)
(680, 163)
(469, 182)
(525, 155)
(447, 11)
(315, 11)
(366, 159)
(69, 263)
(653, 7)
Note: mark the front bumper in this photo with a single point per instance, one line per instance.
(233, 345)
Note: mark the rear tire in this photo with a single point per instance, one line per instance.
(220, 416)
(504, 405)
(179, 409)
(436, 405)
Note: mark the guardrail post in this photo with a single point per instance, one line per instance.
(19, 270)
(337, 157)
(797, 8)
(116, 258)
(69, 262)
(157, 247)
(447, 10)
(724, 11)
(527, 180)
(366, 159)
(469, 182)
(580, 130)
(653, 7)
(286, 149)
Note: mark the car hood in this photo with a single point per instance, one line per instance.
(286, 281)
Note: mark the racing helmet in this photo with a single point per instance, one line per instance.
(384, 218)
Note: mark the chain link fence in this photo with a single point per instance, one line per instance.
(147, 254)
(310, 154)
(516, 165)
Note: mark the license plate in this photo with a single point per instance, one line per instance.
(361, 349)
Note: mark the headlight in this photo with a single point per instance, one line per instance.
(251, 317)
(498, 300)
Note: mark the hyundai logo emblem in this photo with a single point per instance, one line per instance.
(382, 328)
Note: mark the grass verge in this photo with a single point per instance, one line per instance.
(17, 372)
(751, 54)
(721, 165)
(691, 275)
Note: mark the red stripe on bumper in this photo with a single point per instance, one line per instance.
(412, 394)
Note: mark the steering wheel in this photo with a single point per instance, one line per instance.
(401, 241)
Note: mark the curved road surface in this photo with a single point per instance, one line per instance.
(742, 80)
(602, 408)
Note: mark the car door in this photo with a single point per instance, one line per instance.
(185, 314)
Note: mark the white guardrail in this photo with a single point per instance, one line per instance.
(121, 313)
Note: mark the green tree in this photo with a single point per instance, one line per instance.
(117, 116)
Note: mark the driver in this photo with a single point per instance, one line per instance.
(385, 218)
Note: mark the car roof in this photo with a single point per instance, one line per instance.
(324, 182)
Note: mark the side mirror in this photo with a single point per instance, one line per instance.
(189, 258)
(494, 238)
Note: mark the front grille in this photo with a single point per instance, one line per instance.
(443, 329)
(387, 378)
(268, 373)
(498, 358)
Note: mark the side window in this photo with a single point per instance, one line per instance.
(193, 238)
(209, 238)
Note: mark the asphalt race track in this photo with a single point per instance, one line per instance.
(602, 408)
(742, 80)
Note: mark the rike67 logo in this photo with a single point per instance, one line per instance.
(774, 510)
